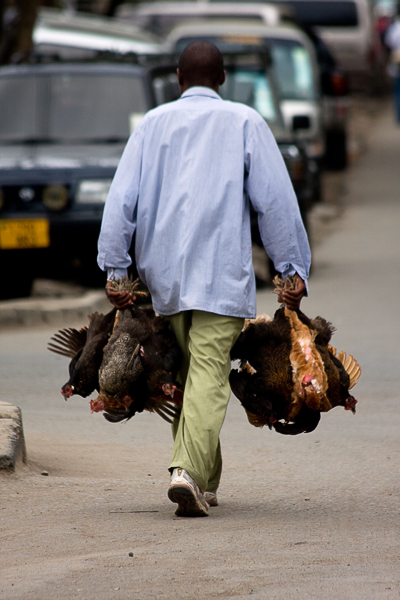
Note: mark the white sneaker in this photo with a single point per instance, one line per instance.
(185, 492)
(211, 498)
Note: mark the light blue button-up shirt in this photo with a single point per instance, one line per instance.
(184, 184)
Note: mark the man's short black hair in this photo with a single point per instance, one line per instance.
(201, 63)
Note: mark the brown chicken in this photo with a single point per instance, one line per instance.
(289, 372)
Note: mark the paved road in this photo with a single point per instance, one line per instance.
(310, 517)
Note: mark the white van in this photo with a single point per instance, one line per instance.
(345, 25)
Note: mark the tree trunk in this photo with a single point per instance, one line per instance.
(27, 11)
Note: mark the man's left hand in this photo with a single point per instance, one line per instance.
(120, 300)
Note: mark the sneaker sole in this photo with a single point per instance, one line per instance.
(188, 503)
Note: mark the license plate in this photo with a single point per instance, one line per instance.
(24, 233)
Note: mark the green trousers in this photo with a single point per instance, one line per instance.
(206, 340)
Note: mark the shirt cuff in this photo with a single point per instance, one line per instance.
(116, 273)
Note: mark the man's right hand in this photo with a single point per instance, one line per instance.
(120, 300)
(292, 298)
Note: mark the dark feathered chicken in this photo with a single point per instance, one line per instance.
(85, 347)
(290, 373)
(121, 365)
(139, 368)
(130, 356)
(161, 358)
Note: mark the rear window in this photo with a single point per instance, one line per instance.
(69, 107)
(291, 61)
(320, 13)
(325, 14)
(292, 68)
(252, 88)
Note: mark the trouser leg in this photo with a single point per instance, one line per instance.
(206, 395)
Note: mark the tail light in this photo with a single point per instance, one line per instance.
(339, 84)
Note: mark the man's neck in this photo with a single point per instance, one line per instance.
(185, 87)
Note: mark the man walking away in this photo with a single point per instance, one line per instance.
(184, 185)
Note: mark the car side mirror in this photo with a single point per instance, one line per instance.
(301, 122)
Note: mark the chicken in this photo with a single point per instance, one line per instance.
(131, 357)
(141, 400)
(289, 372)
(85, 348)
(139, 367)
(161, 358)
(121, 365)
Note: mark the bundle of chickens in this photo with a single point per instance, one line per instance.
(130, 357)
(289, 373)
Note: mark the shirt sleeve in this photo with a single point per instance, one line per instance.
(272, 196)
(119, 216)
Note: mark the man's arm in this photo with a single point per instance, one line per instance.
(272, 196)
(119, 217)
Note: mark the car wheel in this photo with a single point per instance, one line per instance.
(19, 286)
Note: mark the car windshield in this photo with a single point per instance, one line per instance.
(254, 89)
(291, 63)
(69, 107)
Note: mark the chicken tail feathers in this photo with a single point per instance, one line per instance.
(68, 342)
(350, 365)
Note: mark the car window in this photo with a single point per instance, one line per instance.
(322, 13)
(19, 104)
(252, 88)
(325, 13)
(291, 63)
(70, 107)
(166, 88)
(93, 106)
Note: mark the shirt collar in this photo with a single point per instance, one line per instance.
(198, 90)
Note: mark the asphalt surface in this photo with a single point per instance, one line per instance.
(315, 516)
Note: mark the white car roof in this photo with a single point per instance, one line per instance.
(61, 28)
(233, 28)
(271, 13)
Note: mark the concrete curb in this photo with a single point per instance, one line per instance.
(33, 311)
(12, 441)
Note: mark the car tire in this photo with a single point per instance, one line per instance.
(19, 286)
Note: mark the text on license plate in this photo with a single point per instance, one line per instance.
(24, 233)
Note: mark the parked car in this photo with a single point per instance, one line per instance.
(63, 127)
(295, 72)
(62, 35)
(347, 28)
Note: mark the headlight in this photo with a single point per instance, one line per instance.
(55, 197)
(93, 191)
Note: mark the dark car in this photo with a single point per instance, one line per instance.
(62, 131)
(63, 127)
